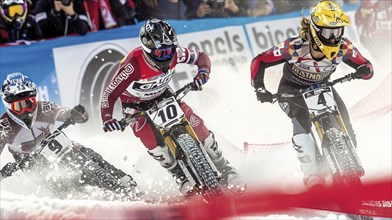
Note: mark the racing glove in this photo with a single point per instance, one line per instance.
(263, 95)
(78, 114)
(201, 78)
(112, 125)
(362, 71)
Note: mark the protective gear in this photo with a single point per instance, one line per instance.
(167, 161)
(18, 94)
(14, 11)
(263, 95)
(112, 125)
(201, 78)
(361, 72)
(78, 114)
(131, 184)
(327, 27)
(230, 178)
(159, 43)
(305, 146)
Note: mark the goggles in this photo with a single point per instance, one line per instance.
(15, 10)
(164, 54)
(24, 105)
(330, 33)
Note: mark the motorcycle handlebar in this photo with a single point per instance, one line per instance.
(128, 119)
(297, 93)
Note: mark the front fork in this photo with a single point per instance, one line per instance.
(321, 132)
(169, 140)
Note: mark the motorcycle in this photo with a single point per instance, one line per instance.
(67, 169)
(167, 116)
(335, 148)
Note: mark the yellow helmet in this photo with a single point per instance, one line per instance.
(327, 27)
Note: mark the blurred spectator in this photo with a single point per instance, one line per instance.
(16, 24)
(31, 6)
(105, 14)
(143, 9)
(255, 8)
(351, 1)
(211, 8)
(286, 6)
(373, 20)
(167, 9)
(61, 17)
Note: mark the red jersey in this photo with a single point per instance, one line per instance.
(138, 80)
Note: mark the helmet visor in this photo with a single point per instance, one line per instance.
(163, 54)
(330, 36)
(329, 33)
(24, 105)
(15, 10)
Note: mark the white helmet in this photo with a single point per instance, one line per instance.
(18, 94)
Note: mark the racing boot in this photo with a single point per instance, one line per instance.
(230, 178)
(305, 146)
(167, 161)
(131, 184)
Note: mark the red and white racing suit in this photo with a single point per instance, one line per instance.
(137, 80)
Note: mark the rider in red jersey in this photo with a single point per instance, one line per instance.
(143, 76)
(310, 58)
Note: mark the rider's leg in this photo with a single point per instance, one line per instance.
(230, 177)
(157, 148)
(345, 117)
(302, 140)
(305, 146)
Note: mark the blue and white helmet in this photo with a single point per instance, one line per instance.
(18, 94)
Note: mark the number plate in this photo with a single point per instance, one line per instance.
(319, 100)
(167, 113)
(56, 146)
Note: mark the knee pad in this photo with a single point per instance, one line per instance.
(305, 146)
(211, 147)
(163, 156)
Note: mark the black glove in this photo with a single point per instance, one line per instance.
(263, 95)
(9, 169)
(78, 114)
(361, 72)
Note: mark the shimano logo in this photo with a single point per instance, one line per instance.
(125, 73)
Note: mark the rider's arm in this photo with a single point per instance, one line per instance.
(354, 59)
(194, 57)
(271, 57)
(128, 72)
(54, 112)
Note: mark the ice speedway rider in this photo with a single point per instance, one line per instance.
(28, 121)
(310, 58)
(144, 75)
